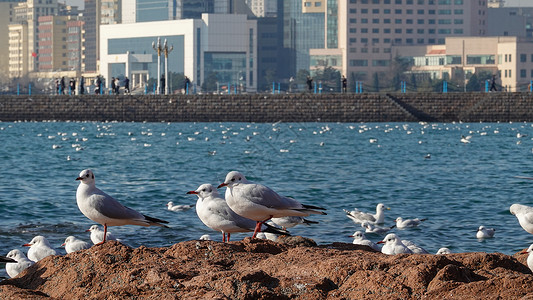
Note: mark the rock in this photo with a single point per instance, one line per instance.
(262, 269)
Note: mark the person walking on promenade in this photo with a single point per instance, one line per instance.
(82, 87)
(344, 83)
(113, 86)
(309, 83)
(493, 84)
(117, 86)
(62, 85)
(162, 92)
(126, 85)
(186, 83)
(72, 86)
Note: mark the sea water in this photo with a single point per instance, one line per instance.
(418, 170)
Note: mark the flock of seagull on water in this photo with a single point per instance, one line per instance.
(245, 207)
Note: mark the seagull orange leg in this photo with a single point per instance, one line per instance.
(228, 237)
(105, 234)
(258, 226)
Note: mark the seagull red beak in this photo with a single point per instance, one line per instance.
(350, 236)
(380, 242)
(192, 192)
(523, 252)
(79, 178)
(63, 245)
(26, 245)
(222, 185)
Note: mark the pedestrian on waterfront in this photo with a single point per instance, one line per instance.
(309, 83)
(62, 85)
(72, 86)
(58, 91)
(117, 86)
(113, 86)
(162, 92)
(344, 83)
(493, 84)
(186, 83)
(126, 85)
(98, 85)
(82, 87)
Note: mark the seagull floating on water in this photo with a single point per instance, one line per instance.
(260, 203)
(371, 228)
(401, 223)
(359, 217)
(104, 209)
(181, 207)
(484, 232)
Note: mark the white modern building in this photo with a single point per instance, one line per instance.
(225, 45)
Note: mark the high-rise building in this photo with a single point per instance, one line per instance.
(97, 12)
(510, 21)
(6, 17)
(29, 12)
(53, 54)
(75, 44)
(361, 34)
(18, 50)
(263, 8)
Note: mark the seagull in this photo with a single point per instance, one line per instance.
(359, 238)
(524, 214)
(529, 257)
(401, 223)
(484, 232)
(444, 250)
(5, 259)
(39, 248)
(289, 222)
(215, 213)
(205, 237)
(21, 263)
(97, 235)
(393, 245)
(370, 228)
(182, 207)
(72, 244)
(414, 247)
(104, 209)
(359, 216)
(465, 139)
(260, 203)
(267, 236)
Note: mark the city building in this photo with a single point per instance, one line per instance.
(217, 44)
(510, 21)
(97, 12)
(53, 54)
(263, 8)
(75, 44)
(18, 50)
(29, 12)
(360, 34)
(6, 17)
(509, 58)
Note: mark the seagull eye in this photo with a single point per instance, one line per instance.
(232, 179)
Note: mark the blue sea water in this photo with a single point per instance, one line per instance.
(334, 165)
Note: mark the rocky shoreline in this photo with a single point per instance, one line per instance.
(294, 268)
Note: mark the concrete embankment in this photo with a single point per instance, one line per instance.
(396, 107)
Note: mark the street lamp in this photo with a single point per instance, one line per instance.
(157, 47)
(167, 51)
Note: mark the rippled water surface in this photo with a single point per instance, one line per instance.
(337, 166)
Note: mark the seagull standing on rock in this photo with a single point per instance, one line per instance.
(260, 203)
(393, 245)
(21, 263)
(529, 257)
(39, 248)
(72, 244)
(215, 213)
(359, 238)
(524, 214)
(97, 235)
(104, 209)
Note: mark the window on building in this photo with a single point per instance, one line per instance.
(458, 21)
(523, 57)
(458, 31)
(364, 21)
(353, 30)
(364, 30)
(409, 31)
(386, 30)
(409, 21)
(386, 11)
(398, 11)
(375, 50)
(458, 12)
(420, 11)
(420, 41)
(375, 11)
(420, 31)
(375, 30)
(386, 21)
(420, 21)
(397, 21)
(398, 30)
(375, 21)
(364, 50)
(523, 73)
(358, 62)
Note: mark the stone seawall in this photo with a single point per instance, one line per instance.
(435, 107)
